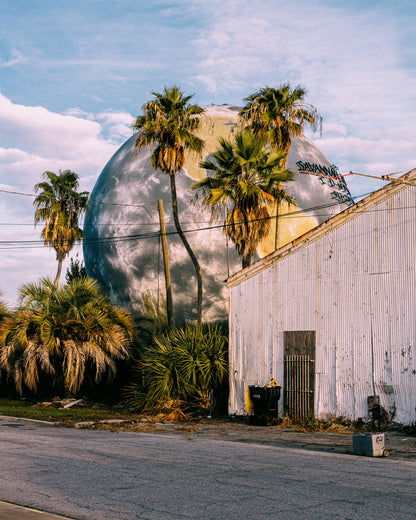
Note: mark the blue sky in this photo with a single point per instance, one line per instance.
(74, 74)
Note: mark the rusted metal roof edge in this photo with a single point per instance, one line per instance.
(315, 233)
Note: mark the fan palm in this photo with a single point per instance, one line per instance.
(60, 207)
(278, 114)
(247, 178)
(4, 313)
(4, 309)
(60, 331)
(169, 123)
(151, 320)
(184, 364)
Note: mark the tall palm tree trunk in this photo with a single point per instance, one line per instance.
(246, 261)
(194, 259)
(283, 165)
(276, 232)
(58, 272)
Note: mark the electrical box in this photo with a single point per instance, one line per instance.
(369, 444)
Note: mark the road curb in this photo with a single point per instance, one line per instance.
(10, 511)
(25, 420)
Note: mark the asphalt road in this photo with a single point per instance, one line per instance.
(86, 474)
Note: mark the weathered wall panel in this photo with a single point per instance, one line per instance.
(352, 280)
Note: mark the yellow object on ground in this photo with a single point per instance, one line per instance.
(249, 403)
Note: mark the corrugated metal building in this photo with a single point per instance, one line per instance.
(332, 315)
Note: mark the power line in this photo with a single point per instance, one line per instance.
(34, 244)
(89, 202)
(294, 214)
(384, 177)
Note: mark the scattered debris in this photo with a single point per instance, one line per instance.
(84, 424)
(113, 421)
(57, 402)
(73, 403)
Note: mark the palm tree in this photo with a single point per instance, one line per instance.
(278, 114)
(60, 207)
(169, 122)
(4, 309)
(60, 331)
(4, 313)
(246, 181)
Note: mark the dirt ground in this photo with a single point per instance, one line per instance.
(340, 440)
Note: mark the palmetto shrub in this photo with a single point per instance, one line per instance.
(4, 309)
(150, 320)
(58, 333)
(182, 366)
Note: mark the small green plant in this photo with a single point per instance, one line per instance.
(182, 366)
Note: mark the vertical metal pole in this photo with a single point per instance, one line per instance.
(307, 385)
(296, 388)
(226, 242)
(169, 305)
(305, 390)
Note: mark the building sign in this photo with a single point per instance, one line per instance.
(330, 176)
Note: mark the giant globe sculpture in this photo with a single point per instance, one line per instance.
(122, 246)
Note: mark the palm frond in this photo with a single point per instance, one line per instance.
(57, 330)
(59, 206)
(248, 177)
(170, 122)
(181, 366)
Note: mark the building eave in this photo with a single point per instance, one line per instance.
(317, 232)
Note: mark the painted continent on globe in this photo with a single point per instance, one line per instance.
(122, 232)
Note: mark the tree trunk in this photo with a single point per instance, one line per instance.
(246, 261)
(277, 225)
(282, 165)
(58, 272)
(197, 267)
(168, 285)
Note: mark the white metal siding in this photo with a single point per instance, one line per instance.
(355, 286)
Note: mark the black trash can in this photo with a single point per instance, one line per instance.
(265, 401)
(272, 400)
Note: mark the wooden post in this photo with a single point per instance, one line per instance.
(169, 304)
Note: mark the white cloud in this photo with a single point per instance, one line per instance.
(38, 140)
(50, 134)
(15, 58)
(117, 125)
(349, 59)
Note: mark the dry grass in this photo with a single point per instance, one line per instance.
(311, 424)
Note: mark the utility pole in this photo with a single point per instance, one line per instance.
(169, 304)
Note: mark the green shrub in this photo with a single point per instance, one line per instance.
(59, 334)
(182, 366)
(150, 320)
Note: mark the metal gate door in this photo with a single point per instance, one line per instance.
(299, 373)
(298, 393)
